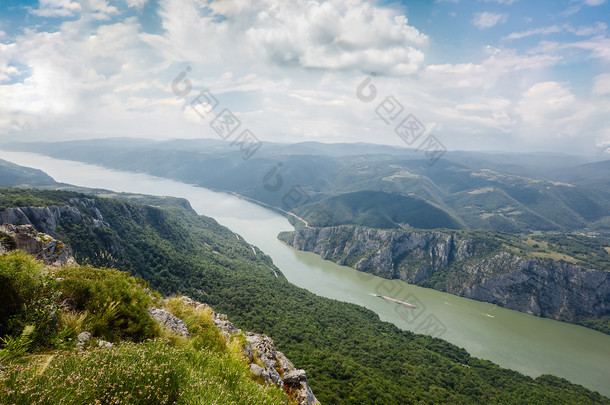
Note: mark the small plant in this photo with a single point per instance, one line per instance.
(15, 347)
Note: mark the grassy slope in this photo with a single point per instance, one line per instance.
(147, 365)
(350, 355)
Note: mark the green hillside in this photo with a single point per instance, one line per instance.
(376, 210)
(350, 356)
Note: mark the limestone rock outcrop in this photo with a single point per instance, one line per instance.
(44, 247)
(463, 266)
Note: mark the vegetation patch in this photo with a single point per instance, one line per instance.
(146, 365)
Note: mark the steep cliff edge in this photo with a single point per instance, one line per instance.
(42, 246)
(350, 355)
(267, 365)
(477, 269)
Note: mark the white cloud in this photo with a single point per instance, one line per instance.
(535, 31)
(594, 2)
(551, 113)
(544, 101)
(98, 9)
(57, 8)
(487, 20)
(599, 47)
(137, 3)
(601, 84)
(486, 74)
(587, 30)
(328, 35)
(289, 70)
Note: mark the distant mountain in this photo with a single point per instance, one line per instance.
(595, 175)
(14, 175)
(505, 192)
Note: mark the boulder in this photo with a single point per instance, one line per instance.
(103, 343)
(175, 325)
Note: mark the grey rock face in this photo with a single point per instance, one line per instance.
(224, 325)
(544, 288)
(278, 370)
(274, 368)
(384, 253)
(24, 237)
(168, 320)
(283, 362)
(265, 349)
(44, 219)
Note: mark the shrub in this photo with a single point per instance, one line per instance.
(116, 303)
(21, 279)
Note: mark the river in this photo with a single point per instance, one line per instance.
(511, 339)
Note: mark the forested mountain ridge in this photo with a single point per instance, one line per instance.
(505, 192)
(349, 354)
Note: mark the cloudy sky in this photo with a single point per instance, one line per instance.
(525, 75)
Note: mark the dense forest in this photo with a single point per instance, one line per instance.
(351, 357)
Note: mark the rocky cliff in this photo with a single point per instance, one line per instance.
(464, 267)
(42, 246)
(48, 219)
(267, 364)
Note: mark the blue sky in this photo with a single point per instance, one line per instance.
(480, 74)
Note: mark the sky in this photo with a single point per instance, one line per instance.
(494, 75)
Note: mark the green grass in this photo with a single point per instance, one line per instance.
(153, 372)
(147, 364)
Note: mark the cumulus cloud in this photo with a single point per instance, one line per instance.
(543, 102)
(348, 35)
(550, 112)
(487, 20)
